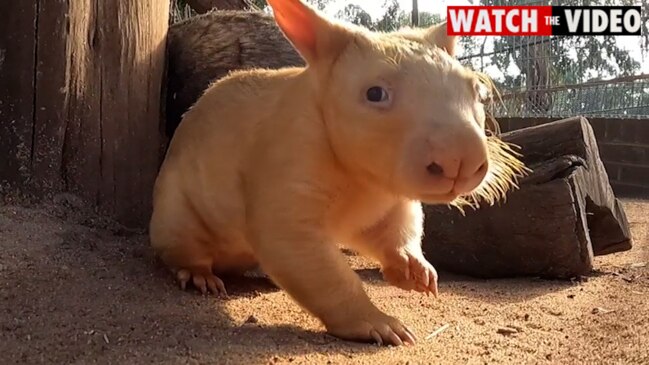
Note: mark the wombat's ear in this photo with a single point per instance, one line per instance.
(437, 35)
(313, 36)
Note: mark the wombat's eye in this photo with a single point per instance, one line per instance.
(376, 94)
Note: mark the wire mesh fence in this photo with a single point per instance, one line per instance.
(562, 76)
(179, 11)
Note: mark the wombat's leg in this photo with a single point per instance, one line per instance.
(182, 243)
(395, 242)
(315, 274)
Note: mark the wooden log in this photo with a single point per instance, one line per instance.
(564, 213)
(80, 88)
(205, 48)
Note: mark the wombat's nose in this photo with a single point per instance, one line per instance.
(454, 168)
(435, 169)
(467, 168)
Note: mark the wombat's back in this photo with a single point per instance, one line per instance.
(205, 48)
(200, 177)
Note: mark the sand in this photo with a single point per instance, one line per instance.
(77, 290)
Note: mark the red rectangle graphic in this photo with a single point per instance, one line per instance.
(499, 20)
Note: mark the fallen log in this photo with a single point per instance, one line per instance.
(206, 47)
(564, 213)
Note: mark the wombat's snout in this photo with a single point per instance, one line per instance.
(466, 166)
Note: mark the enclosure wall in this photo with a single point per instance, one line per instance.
(623, 146)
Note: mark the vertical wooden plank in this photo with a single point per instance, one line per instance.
(17, 71)
(152, 73)
(113, 97)
(132, 85)
(51, 96)
(642, 137)
(82, 149)
(128, 143)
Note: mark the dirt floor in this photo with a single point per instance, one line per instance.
(77, 290)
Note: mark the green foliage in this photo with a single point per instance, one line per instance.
(320, 4)
(393, 18)
(356, 15)
(390, 20)
(427, 19)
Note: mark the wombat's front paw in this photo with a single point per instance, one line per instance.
(410, 271)
(378, 327)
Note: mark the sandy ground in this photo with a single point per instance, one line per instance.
(73, 290)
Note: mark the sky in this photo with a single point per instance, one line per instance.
(375, 7)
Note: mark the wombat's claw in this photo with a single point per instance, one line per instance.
(383, 330)
(425, 276)
(411, 272)
(393, 338)
(202, 281)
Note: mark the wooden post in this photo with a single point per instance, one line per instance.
(80, 92)
(415, 13)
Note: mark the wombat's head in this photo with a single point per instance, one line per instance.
(399, 109)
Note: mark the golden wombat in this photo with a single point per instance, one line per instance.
(276, 167)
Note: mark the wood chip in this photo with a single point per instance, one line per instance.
(600, 310)
(106, 338)
(438, 331)
(251, 319)
(506, 331)
(638, 264)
